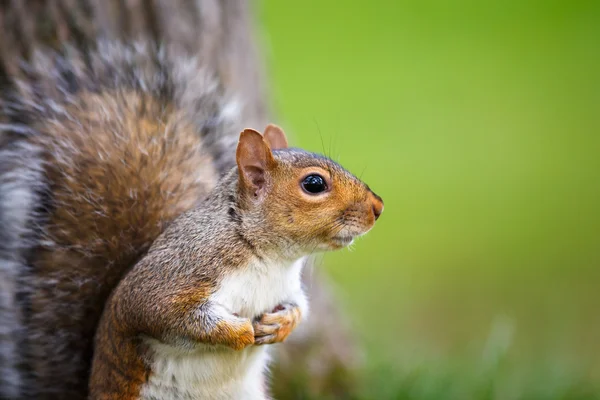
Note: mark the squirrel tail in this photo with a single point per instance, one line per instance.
(101, 146)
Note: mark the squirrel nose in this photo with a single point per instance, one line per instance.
(377, 205)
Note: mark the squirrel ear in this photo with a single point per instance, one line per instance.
(275, 137)
(254, 159)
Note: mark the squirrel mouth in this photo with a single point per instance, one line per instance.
(343, 240)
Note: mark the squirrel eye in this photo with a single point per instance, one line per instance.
(314, 184)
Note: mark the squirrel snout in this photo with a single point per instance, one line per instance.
(377, 205)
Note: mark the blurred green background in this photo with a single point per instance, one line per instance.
(479, 125)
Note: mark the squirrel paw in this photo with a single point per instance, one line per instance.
(239, 334)
(276, 326)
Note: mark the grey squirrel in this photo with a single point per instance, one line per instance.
(224, 278)
(104, 141)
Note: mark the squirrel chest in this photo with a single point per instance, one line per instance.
(193, 371)
(259, 287)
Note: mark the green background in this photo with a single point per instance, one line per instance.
(478, 122)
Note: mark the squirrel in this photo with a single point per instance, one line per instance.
(188, 320)
(114, 121)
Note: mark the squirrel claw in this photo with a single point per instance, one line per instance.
(267, 339)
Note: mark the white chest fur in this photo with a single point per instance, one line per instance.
(219, 373)
(259, 288)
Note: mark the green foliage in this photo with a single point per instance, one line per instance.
(479, 125)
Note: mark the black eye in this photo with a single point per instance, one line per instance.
(314, 184)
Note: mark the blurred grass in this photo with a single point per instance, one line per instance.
(479, 125)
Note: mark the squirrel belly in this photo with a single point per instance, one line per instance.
(206, 373)
(209, 372)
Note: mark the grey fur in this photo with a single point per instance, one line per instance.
(21, 183)
(166, 72)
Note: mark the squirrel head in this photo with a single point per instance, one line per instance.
(307, 201)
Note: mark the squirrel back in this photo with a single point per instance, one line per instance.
(102, 145)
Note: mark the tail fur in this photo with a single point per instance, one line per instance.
(21, 182)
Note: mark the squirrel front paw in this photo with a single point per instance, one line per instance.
(237, 334)
(276, 326)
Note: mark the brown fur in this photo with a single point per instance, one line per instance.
(110, 201)
(289, 212)
(123, 370)
(143, 151)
